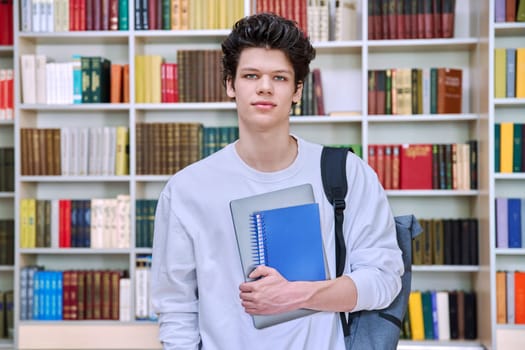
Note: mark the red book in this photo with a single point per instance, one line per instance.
(380, 163)
(416, 167)
(164, 84)
(449, 90)
(420, 19)
(113, 14)
(519, 297)
(175, 82)
(64, 234)
(400, 19)
(81, 15)
(447, 18)
(428, 19)
(10, 94)
(392, 19)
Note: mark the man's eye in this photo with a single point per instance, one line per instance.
(250, 76)
(280, 78)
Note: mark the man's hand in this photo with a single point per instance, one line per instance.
(269, 294)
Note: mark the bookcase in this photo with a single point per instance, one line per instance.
(505, 33)
(344, 66)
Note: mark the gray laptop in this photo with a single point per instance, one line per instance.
(241, 209)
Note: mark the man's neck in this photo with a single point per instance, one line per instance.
(268, 154)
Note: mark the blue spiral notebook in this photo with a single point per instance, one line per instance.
(279, 210)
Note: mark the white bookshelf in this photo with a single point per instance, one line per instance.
(503, 35)
(344, 67)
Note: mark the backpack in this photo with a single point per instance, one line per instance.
(367, 329)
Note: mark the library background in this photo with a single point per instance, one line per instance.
(101, 100)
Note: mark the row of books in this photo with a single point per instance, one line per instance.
(509, 11)
(510, 222)
(509, 147)
(450, 166)
(7, 169)
(441, 315)
(165, 148)
(510, 297)
(84, 79)
(144, 222)
(446, 241)
(75, 151)
(195, 77)
(509, 72)
(312, 99)
(405, 91)
(73, 15)
(6, 22)
(75, 223)
(187, 14)
(7, 99)
(74, 294)
(215, 138)
(407, 19)
(7, 307)
(7, 242)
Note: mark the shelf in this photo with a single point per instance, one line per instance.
(325, 119)
(509, 176)
(509, 29)
(7, 195)
(6, 268)
(445, 268)
(422, 118)
(6, 51)
(76, 107)
(74, 251)
(420, 45)
(431, 193)
(77, 37)
(439, 345)
(509, 102)
(7, 122)
(510, 251)
(6, 343)
(91, 178)
(189, 106)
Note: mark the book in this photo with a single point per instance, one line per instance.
(242, 210)
(289, 240)
(416, 166)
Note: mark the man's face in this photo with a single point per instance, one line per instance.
(264, 88)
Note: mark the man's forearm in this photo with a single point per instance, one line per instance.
(338, 295)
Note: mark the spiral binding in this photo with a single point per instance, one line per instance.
(258, 239)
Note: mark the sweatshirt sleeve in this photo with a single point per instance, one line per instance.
(173, 284)
(374, 259)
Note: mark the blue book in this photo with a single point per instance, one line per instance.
(514, 222)
(289, 240)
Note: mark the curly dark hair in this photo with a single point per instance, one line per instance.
(267, 30)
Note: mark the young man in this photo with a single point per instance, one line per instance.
(197, 282)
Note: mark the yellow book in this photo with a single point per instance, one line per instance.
(184, 15)
(223, 18)
(28, 223)
(155, 74)
(121, 153)
(500, 73)
(147, 78)
(415, 312)
(139, 78)
(212, 22)
(175, 15)
(506, 147)
(520, 72)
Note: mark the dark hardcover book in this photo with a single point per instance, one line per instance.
(381, 91)
(100, 79)
(473, 159)
(435, 167)
(517, 147)
(428, 250)
(448, 241)
(400, 19)
(465, 242)
(461, 314)
(392, 20)
(437, 10)
(497, 147)
(471, 315)
(85, 67)
(453, 314)
(474, 241)
(456, 245)
(438, 242)
(407, 11)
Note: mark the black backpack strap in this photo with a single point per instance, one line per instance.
(333, 174)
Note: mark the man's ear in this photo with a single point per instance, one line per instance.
(230, 89)
(298, 92)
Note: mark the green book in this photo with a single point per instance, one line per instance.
(433, 90)
(123, 14)
(85, 69)
(100, 79)
(428, 323)
(517, 151)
